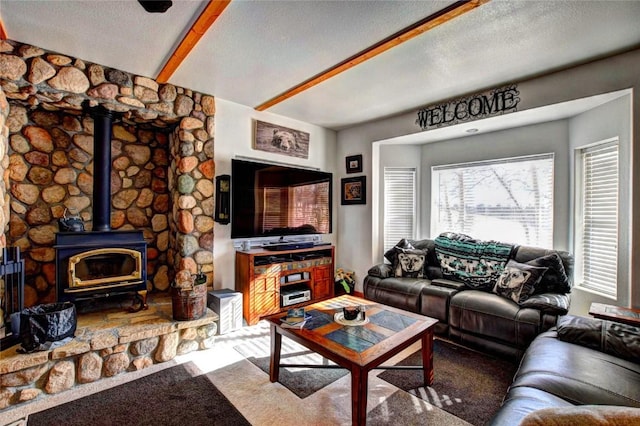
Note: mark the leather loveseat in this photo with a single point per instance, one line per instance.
(472, 314)
(583, 372)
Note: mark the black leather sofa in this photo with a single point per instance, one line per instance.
(474, 317)
(573, 370)
(583, 372)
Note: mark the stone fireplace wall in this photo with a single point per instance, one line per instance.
(162, 155)
(4, 164)
(4, 181)
(191, 172)
(51, 174)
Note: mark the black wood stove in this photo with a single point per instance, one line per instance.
(101, 262)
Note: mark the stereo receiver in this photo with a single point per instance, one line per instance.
(291, 296)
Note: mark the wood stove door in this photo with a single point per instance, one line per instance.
(104, 268)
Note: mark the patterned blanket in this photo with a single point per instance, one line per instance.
(476, 263)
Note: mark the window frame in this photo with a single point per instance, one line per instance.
(435, 191)
(387, 239)
(579, 219)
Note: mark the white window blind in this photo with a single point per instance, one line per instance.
(508, 200)
(399, 205)
(598, 238)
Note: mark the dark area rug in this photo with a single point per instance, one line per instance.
(467, 384)
(301, 381)
(168, 397)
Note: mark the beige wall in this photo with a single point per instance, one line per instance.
(234, 137)
(607, 75)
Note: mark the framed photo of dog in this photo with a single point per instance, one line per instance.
(281, 140)
(354, 190)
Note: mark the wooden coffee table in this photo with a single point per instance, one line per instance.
(359, 349)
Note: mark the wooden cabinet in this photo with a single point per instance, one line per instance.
(262, 274)
(323, 278)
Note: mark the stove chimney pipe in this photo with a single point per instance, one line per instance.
(102, 132)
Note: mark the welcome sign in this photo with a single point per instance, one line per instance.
(488, 104)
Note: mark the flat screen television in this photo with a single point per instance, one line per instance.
(269, 200)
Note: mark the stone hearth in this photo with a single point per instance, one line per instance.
(108, 342)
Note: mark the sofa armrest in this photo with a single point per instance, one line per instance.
(620, 340)
(550, 303)
(382, 270)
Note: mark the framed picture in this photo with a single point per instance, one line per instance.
(281, 140)
(354, 163)
(354, 190)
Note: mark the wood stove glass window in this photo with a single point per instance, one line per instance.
(102, 266)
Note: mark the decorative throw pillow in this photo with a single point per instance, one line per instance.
(406, 261)
(555, 280)
(410, 263)
(517, 280)
(392, 253)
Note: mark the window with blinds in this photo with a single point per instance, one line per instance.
(399, 205)
(597, 233)
(507, 200)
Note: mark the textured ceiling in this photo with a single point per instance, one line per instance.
(258, 49)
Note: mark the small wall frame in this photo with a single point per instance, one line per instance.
(354, 190)
(353, 163)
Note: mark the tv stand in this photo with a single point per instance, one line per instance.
(264, 277)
